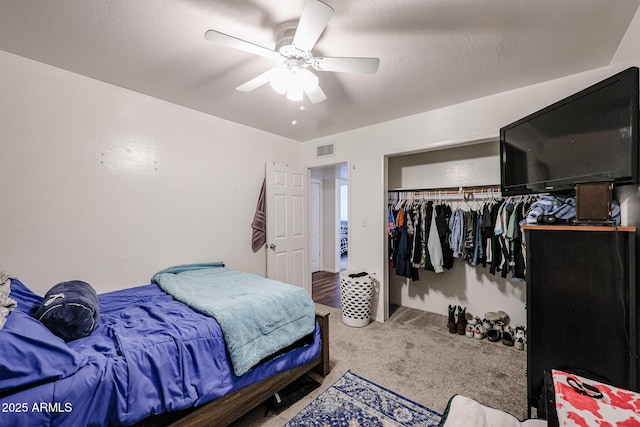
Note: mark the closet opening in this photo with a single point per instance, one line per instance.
(471, 165)
(329, 231)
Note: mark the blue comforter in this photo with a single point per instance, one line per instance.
(150, 354)
(258, 316)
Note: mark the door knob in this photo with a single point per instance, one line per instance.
(272, 247)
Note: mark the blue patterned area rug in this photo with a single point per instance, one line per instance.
(353, 401)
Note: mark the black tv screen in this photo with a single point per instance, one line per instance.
(591, 136)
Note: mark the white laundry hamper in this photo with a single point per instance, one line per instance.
(355, 297)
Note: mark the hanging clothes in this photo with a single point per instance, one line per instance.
(478, 251)
(469, 230)
(410, 216)
(486, 231)
(517, 240)
(496, 230)
(456, 228)
(500, 229)
(434, 246)
(401, 255)
(418, 255)
(392, 238)
(423, 235)
(443, 215)
(403, 263)
(429, 249)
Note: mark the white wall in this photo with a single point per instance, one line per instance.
(330, 235)
(465, 166)
(628, 54)
(477, 120)
(106, 185)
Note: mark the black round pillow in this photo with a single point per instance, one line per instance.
(70, 310)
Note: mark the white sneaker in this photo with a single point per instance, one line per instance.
(469, 331)
(479, 332)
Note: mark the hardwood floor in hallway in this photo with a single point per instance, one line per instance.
(326, 288)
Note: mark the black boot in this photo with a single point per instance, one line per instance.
(462, 320)
(451, 324)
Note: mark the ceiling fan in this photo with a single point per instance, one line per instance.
(294, 43)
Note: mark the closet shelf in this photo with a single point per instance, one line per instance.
(476, 189)
(447, 193)
(578, 228)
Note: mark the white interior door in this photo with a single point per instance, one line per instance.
(314, 226)
(287, 225)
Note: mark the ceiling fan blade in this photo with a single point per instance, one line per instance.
(316, 95)
(315, 17)
(347, 65)
(256, 82)
(244, 45)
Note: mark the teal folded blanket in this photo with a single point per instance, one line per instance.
(258, 316)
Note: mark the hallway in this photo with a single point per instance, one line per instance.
(326, 288)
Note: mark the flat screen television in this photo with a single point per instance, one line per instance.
(591, 136)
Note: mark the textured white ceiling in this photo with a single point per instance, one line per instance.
(433, 53)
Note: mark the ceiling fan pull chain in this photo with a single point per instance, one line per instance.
(294, 121)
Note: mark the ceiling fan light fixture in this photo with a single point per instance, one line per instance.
(305, 79)
(294, 93)
(280, 80)
(293, 81)
(295, 41)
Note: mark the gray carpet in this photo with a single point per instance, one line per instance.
(414, 355)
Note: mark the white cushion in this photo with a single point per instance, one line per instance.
(464, 412)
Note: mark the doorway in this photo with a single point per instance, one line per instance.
(329, 231)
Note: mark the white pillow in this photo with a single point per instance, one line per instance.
(464, 412)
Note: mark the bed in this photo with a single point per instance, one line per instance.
(151, 361)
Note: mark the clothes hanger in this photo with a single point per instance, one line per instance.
(476, 202)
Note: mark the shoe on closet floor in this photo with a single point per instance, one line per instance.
(504, 317)
(520, 337)
(451, 323)
(469, 330)
(462, 320)
(494, 335)
(507, 336)
(491, 316)
(479, 332)
(495, 316)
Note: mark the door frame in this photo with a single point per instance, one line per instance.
(347, 178)
(313, 181)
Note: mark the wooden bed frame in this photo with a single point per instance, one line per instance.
(226, 409)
